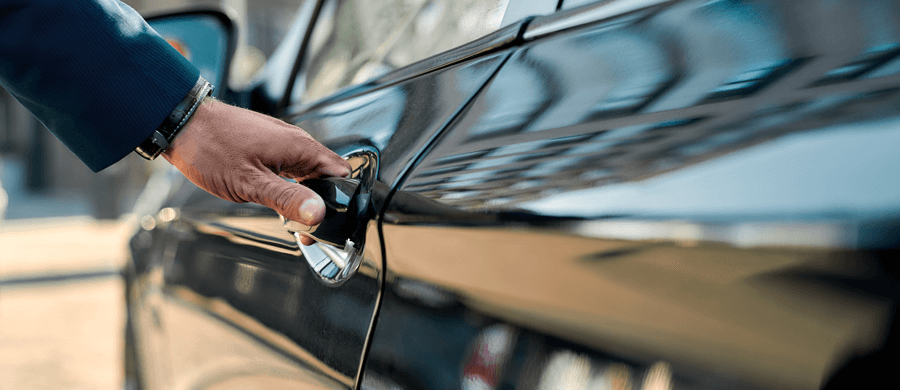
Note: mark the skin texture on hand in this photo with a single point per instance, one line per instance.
(238, 155)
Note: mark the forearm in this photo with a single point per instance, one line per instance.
(92, 71)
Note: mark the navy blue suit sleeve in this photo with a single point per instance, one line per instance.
(92, 71)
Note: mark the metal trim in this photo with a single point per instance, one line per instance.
(498, 40)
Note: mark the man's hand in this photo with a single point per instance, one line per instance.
(238, 155)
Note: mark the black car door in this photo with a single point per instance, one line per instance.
(655, 195)
(243, 303)
(233, 301)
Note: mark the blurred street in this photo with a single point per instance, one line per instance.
(61, 305)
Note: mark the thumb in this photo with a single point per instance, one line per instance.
(294, 201)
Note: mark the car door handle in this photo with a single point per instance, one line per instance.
(340, 237)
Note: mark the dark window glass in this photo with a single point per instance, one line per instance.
(357, 40)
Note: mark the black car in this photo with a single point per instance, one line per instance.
(643, 194)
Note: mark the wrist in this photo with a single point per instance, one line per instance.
(163, 137)
(195, 125)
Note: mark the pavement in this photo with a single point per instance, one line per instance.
(61, 303)
(62, 308)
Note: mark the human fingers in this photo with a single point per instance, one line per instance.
(295, 202)
(232, 153)
(298, 156)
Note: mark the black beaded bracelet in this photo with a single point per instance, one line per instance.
(160, 140)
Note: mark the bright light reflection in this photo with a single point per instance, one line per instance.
(571, 371)
(167, 214)
(148, 223)
(659, 377)
(566, 370)
(245, 278)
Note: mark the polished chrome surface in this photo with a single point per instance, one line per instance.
(333, 265)
(339, 246)
(340, 220)
(363, 171)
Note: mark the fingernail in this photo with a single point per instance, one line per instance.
(345, 173)
(310, 208)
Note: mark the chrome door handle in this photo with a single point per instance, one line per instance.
(340, 238)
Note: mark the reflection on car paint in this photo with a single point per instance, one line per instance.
(729, 168)
(490, 353)
(771, 98)
(402, 33)
(390, 120)
(256, 289)
(693, 195)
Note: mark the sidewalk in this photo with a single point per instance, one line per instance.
(61, 303)
(45, 246)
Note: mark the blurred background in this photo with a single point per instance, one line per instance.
(63, 230)
(41, 178)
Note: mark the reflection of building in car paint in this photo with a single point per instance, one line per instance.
(668, 97)
(490, 353)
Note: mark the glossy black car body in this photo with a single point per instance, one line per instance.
(616, 195)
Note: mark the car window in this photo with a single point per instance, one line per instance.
(267, 23)
(521, 9)
(357, 40)
(567, 4)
